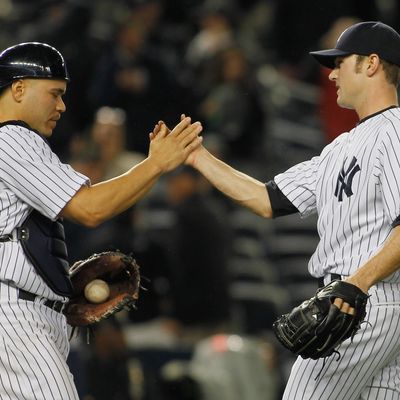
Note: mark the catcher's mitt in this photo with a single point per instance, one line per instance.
(316, 327)
(120, 271)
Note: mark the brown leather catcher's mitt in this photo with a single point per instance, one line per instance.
(120, 271)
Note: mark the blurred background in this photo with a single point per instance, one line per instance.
(214, 276)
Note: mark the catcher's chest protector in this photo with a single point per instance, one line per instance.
(44, 245)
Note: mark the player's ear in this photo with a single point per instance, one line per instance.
(18, 88)
(373, 63)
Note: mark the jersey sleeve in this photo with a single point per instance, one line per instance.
(298, 184)
(280, 204)
(34, 173)
(389, 172)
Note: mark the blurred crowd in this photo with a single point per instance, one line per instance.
(214, 276)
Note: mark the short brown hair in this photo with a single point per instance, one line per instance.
(392, 71)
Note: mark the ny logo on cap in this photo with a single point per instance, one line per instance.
(345, 179)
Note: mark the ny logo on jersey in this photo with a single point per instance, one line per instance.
(345, 179)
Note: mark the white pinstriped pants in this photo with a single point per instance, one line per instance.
(33, 350)
(368, 369)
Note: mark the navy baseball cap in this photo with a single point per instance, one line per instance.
(364, 38)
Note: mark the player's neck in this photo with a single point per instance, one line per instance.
(8, 112)
(378, 100)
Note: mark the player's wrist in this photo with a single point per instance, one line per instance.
(361, 283)
(198, 158)
(155, 166)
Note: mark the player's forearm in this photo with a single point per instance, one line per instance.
(95, 204)
(241, 188)
(380, 266)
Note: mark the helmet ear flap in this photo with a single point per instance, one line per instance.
(31, 60)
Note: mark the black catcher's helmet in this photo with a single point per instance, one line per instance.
(31, 60)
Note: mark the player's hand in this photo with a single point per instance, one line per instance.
(168, 149)
(158, 126)
(156, 130)
(342, 305)
(190, 160)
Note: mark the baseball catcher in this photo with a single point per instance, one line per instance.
(316, 327)
(121, 274)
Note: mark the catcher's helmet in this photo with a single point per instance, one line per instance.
(31, 60)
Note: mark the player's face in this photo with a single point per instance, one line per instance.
(348, 81)
(43, 104)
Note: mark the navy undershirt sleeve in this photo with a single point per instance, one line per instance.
(396, 222)
(279, 202)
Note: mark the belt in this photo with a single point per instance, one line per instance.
(332, 277)
(18, 234)
(53, 304)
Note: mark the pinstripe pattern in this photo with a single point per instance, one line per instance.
(367, 368)
(351, 230)
(33, 338)
(354, 186)
(31, 176)
(33, 350)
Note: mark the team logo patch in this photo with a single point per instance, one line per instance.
(345, 179)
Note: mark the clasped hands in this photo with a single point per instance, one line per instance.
(170, 148)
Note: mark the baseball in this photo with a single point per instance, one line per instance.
(97, 291)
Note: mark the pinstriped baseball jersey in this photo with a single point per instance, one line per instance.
(367, 369)
(33, 348)
(31, 176)
(354, 186)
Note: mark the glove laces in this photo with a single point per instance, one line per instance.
(335, 352)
